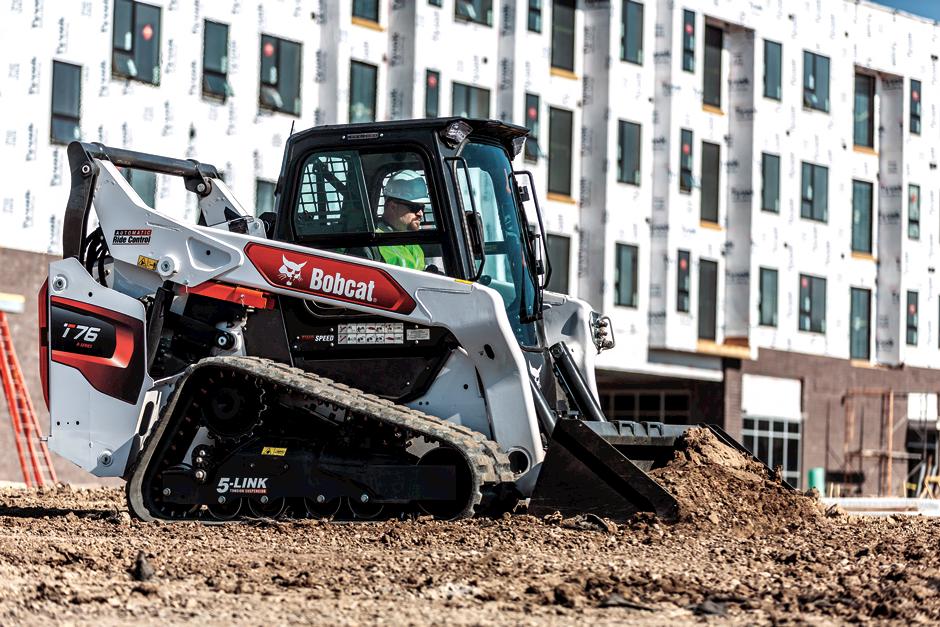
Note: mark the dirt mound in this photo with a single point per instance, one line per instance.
(718, 485)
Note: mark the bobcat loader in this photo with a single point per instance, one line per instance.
(235, 366)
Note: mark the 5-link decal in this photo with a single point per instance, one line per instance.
(243, 485)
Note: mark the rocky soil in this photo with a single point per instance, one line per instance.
(745, 551)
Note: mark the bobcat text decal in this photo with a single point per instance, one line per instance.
(338, 280)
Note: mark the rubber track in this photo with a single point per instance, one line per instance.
(489, 466)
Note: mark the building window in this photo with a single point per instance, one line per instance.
(773, 69)
(684, 281)
(628, 157)
(144, 183)
(136, 41)
(711, 90)
(912, 318)
(815, 81)
(913, 211)
(685, 161)
(559, 252)
(436, 3)
(479, 11)
(362, 85)
(66, 103)
(768, 297)
(812, 304)
(776, 442)
(707, 299)
(770, 180)
(625, 277)
(711, 161)
(215, 61)
(563, 34)
(672, 407)
(560, 129)
(535, 16)
(864, 129)
(532, 122)
(264, 196)
(688, 41)
(366, 9)
(915, 107)
(280, 75)
(860, 321)
(432, 93)
(470, 101)
(815, 197)
(861, 216)
(631, 32)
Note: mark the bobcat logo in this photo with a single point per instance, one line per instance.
(290, 271)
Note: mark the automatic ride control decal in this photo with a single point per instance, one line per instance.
(331, 278)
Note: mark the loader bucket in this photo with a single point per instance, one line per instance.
(600, 468)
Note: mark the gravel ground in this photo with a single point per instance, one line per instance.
(745, 551)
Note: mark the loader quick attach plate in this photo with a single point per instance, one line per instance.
(599, 468)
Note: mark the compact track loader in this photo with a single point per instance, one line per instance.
(294, 364)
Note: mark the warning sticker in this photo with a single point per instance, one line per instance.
(147, 263)
(371, 333)
(276, 451)
(417, 334)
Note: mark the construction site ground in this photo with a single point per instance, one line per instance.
(745, 551)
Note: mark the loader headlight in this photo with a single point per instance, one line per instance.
(455, 133)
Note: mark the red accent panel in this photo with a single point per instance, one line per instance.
(44, 340)
(338, 280)
(241, 295)
(119, 375)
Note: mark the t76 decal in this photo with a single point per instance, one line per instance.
(339, 280)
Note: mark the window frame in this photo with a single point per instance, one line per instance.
(686, 160)
(768, 44)
(370, 17)
(857, 222)
(133, 49)
(485, 20)
(768, 304)
(809, 307)
(912, 318)
(812, 67)
(711, 80)
(765, 162)
(353, 65)
(223, 75)
(625, 31)
(757, 429)
(688, 41)
(553, 187)
(558, 34)
(853, 332)
(635, 273)
(471, 90)
(432, 93)
(535, 10)
(815, 212)
(623, 126)
(60, 116)
(533, 125)
(262, 182)
(913, 211)
(560, 270)
(707, 324)
(710, 183)
(684, 281)
(277, 42)
(916, 106)
(869, 93)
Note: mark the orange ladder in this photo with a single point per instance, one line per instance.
(31, 449)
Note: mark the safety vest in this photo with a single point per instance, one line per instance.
(402, 255)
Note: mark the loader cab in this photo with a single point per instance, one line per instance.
(331, 195)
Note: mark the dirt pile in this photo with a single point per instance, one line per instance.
(717, 485)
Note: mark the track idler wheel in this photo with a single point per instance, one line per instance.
(233, 406)
(447, 510)
(270, 509)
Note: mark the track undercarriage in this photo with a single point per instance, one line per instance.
(248, 437)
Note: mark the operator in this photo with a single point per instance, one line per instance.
(406, 194)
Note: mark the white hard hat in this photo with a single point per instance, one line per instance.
(407, 185)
